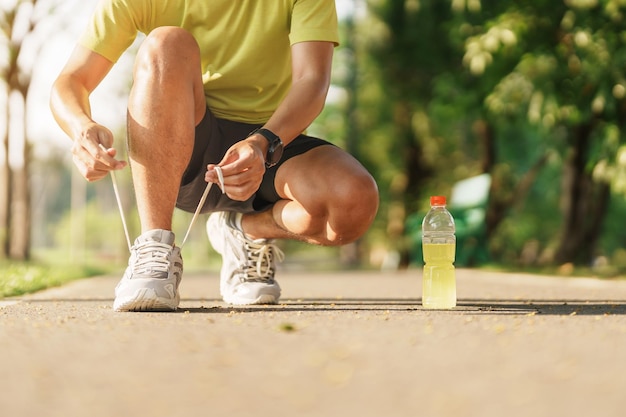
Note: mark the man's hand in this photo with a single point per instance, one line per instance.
(92, 153)
(243, 167)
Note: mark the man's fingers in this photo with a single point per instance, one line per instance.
(94, 167)
(240, 186)
(106, 156)
(242, 168)
(90, 174)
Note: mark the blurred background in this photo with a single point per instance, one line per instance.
(512, 109)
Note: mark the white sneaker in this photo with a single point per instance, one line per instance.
(155, 268)
(248, 266)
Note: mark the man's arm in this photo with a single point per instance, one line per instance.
(243, 165)
(311, 68)
(69, 102)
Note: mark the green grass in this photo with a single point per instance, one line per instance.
(17, 278)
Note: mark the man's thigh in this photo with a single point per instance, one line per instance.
(324, 172)
(268, 193)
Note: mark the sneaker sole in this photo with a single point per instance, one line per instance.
(145, 299)
(262, 299)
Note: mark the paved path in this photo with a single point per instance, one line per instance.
(340, 344)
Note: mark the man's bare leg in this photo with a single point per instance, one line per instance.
(165, 104)
(328, 199)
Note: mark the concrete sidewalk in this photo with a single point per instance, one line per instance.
(340, 344)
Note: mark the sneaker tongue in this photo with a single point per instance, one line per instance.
(157, 235)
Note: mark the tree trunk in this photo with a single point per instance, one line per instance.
(405, 191)
(584, 204)
(417, 171)
(486, 136)
(5, 193)
(20, 211)
(15, 209)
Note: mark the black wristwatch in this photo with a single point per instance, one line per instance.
(275, 151)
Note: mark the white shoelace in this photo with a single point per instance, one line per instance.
(260, 262)
(220, 177)
(147, 262)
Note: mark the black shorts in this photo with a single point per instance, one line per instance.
(213, 138)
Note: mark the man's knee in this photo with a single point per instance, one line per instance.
(170, 44)
(354, 209)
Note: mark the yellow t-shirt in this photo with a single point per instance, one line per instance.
(245, 44)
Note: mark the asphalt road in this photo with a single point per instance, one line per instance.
(339, 344)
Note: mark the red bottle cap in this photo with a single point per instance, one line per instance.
(438, 200)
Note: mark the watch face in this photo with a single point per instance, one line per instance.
(277, 151)
(274, 153)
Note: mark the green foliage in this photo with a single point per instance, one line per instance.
(532, 92)
(565, 80)
(22, 278)
(101, 235)
(99, 229)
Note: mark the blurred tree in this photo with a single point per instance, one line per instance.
(507, 87)
(26, 26)
(16, 25)
(19, 48)
(409, 48)
(561, 68)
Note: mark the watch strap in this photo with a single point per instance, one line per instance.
(267, 134)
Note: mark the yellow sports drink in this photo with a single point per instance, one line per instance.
(439, 282)
(439, 248)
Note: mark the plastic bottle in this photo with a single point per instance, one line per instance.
(439, 248)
